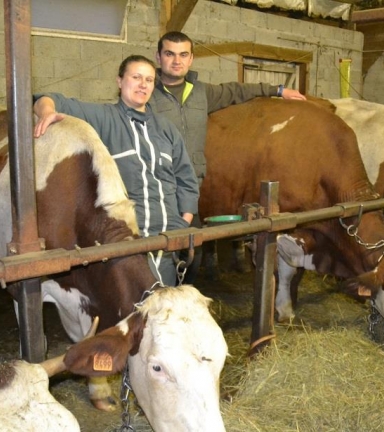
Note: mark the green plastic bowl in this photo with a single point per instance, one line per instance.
(223, 219)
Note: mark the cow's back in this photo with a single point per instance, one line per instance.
(367, 121)
(296, 143)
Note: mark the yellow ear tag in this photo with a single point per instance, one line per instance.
(364, 292)
(102, 362)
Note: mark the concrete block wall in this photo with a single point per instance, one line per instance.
(215, 22)
(373, 89)
(87, 69)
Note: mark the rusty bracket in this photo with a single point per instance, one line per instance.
(350, 208)
(252, 211)
(15, 248)
(181, 239)
(279, 221)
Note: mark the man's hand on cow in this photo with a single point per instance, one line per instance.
(292, 94)
(46, 120)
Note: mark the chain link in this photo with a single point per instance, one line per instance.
(373, 319)
(352, 231)
(181, 269)
(124, 396)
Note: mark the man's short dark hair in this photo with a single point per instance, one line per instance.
(174, 36)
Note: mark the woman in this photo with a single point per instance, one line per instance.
(147, 148)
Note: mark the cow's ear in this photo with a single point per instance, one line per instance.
(107, 352)
(136, 324)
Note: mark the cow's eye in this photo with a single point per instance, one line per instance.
(156, 368)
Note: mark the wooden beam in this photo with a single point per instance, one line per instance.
(180, 15)
(367, 16)
(250, 49)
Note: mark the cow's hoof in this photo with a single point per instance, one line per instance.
(293, 323)
(105, 404)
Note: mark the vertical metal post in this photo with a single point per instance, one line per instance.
(17, 20)
(264, 288)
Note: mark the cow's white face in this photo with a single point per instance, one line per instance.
(378, 301)
(175, 375)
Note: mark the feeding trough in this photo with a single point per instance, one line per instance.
(222, 219)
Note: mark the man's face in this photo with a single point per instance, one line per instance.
(175, 59)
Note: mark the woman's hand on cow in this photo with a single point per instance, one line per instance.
(43, 122)
(45, 110)
(292, 94)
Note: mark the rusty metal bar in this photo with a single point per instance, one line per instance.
(17, 25)
(37, 264)
(263, 303)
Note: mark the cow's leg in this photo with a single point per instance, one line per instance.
(100, 394)
(211, 261)
(239, 258)
(283, 301)
(72, 306)
(291, 256)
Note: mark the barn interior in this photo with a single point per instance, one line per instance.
(316, 374)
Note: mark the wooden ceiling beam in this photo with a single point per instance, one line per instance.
(367, 16)
(250, 49)
(180, 15)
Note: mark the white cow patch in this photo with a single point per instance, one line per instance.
(74, 136)
(70, 305)
(293, 253)
(367, 121)
(27, 406)
(123, 326)
(379, 302)
(279, 126)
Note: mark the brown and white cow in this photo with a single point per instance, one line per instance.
(366, 120)
(315, 157)
(176, 347)
(81, 200)
(26, 405)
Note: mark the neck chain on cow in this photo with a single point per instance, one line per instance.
(126, 387)
(148, 293)
(352, 231)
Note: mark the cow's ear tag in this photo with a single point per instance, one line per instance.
(364, 292)
(102, 362)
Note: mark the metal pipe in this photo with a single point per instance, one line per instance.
(55, 261)
(17, 30)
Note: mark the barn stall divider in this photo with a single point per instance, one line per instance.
(262, 220)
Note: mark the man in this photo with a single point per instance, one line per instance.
(186, 101)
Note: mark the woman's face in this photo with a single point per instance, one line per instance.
(137, 84)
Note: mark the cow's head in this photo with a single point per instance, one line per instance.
(176, 353)
(370, 285)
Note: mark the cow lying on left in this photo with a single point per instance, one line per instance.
(81, 201)
(26, 404)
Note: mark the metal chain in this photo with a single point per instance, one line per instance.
(126, 387)
(181, 269)
(373, 319)
(352, 231)
(124, 396)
